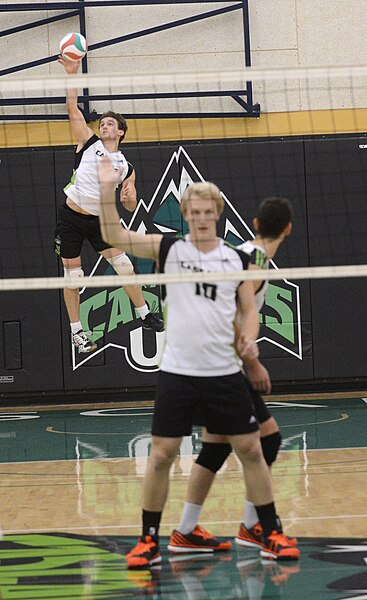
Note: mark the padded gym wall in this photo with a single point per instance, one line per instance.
(310, 330)
(30, 348)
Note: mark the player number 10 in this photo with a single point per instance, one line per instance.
(207, 290)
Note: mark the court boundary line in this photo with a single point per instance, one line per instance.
(116, 458)
(148, 403)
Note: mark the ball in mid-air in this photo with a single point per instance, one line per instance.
(73, 46)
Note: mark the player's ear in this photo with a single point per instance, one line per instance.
(288, 229)
(255, 223)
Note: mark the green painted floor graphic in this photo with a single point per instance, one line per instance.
(125, 432)
(62, 566)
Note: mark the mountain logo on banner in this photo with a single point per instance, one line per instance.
(111, 317)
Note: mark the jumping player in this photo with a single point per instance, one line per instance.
(78, 217)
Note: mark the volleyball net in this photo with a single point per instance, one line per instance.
(296, 133)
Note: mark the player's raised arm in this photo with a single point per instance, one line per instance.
(145, 246)
(79, 127)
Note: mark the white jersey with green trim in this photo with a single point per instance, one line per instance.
(83, 188)
(259, 258)
(199, 316)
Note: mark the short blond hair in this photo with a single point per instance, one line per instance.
(203, 189)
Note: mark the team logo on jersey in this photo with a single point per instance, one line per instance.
(109, 313)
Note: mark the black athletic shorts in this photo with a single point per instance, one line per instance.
(72, 229)
(262, 412)
(224, 402)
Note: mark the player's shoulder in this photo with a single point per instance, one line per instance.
(168, 239)
(167, 242)
(237, 252)
(93, 139)
(130, 168)
(256, 253)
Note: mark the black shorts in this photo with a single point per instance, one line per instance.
(224, 402)
(261, 410)
(72, 229)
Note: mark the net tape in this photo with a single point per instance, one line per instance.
(293, 273)
(30, 83)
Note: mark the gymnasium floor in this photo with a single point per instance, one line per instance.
(70, 506)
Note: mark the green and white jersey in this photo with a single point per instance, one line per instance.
(199, 323)
(259, 258)
(83, 188)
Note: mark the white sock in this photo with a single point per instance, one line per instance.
(143, 311)
(251, 517)
(75, 327)
(190, 517)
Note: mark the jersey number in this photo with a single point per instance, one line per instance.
(207, 290)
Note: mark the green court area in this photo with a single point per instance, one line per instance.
(125, 432)
(70, 567)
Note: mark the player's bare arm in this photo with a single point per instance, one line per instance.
(81, 132)
(257, 283)
(255, 371)
(145, 246)
(128, 193)
(249, 322)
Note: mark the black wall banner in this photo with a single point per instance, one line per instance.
(299, 340)
(337, 206)
(30, 336)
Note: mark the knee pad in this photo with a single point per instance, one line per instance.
(121, 264)
(270, 445)
(212, 456)
(72, 274)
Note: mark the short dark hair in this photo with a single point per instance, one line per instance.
(121, 121)
(273, 215)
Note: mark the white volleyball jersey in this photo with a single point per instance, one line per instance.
(83, 188)
(259, 258)
(199, 323)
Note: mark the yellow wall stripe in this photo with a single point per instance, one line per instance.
(28, 134)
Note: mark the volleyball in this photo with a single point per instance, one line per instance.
(73, 46)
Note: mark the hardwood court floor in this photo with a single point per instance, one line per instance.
(70, 506)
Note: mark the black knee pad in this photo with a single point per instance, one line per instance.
(270, 445)
(212, 456)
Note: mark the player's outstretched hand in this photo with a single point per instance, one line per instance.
(70, 66)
